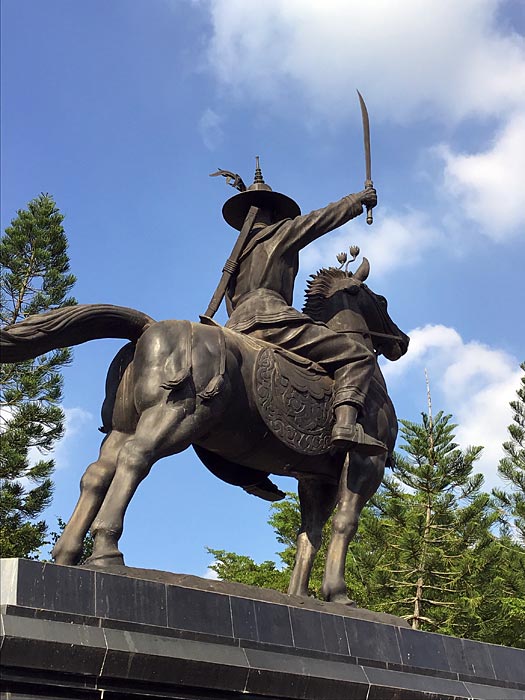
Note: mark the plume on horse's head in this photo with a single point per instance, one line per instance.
(321, 286)
(341, 300)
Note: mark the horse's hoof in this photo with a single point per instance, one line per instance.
(337, 594)
(65, 558)
(103, 560)
(300, 594)
(342, 599)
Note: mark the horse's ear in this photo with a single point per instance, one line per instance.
(362, 271)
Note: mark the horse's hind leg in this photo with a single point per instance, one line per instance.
(360, 479)
(93, 487)
(162, 430)
(316, 499)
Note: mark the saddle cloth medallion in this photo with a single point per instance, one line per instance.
(294, 400)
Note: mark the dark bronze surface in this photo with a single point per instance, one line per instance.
(185, 383)
(275, 391)
(231, 265)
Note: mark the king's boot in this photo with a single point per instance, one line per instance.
(348, 434)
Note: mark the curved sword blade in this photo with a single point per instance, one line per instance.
(368, 156)
(366, 137)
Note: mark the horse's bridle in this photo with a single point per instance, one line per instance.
(376, 333)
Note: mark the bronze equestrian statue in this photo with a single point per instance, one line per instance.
(232, 396)
(275, 391)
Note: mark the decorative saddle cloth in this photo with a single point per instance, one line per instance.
(294, 398)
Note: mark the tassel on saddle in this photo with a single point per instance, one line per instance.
(216, 382)
(185, 371)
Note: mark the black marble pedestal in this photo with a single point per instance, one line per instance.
(72, 632)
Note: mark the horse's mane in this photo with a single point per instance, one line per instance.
(318, 288)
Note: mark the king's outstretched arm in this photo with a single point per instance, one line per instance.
(297, 233)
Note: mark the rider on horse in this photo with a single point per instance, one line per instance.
(259, 297)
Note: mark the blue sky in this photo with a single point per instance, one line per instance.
(120, 110)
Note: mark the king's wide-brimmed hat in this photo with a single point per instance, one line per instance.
(260, 195)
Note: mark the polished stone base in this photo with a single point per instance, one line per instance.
(72, 632)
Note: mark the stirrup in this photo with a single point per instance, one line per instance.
(353, 437)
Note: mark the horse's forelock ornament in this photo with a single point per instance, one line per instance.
(342, 258)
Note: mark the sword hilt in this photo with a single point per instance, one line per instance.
(369, 216)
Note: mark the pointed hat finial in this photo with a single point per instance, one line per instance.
(258, 180)
(258, 173)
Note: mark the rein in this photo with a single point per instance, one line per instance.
(386, 335)
(376, 333)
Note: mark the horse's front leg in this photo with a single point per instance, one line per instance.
(360, 479)
(93, 488)
(316, 499)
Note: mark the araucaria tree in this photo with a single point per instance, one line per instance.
(438, 524)
(512, 466)
(35, 278)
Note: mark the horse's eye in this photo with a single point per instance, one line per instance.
(354, 289)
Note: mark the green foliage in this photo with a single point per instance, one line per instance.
(439, 528)
(87, 544)
(512, 468)
(504, 615)
(35, 278)
(243, 569)
(443, 567)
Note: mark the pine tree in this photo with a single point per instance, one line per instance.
(511, 575)
(512, 467)
(35, 278)
(439, 531)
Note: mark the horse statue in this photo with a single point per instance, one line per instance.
(242, 403)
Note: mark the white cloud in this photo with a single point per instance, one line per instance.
(411, 59)
(484, 419)
(210, 127)
(5, 416)
(470, 380)
(211, 574)
(485, 185)
(76, 420)
(394, 241)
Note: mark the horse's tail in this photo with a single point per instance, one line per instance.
(69, 325)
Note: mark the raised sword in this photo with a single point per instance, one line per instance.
(368, 158)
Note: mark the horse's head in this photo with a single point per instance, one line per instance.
(342, 301)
